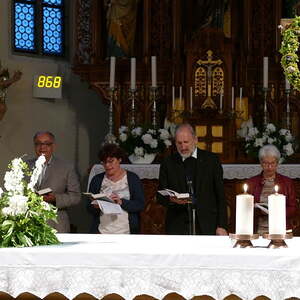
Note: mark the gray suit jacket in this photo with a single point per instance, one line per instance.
(61, 177)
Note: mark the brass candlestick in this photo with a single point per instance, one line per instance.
(110, 138)
(277, 240)
(243, 240)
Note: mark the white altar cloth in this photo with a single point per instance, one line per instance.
(130, 265)
(231, 171)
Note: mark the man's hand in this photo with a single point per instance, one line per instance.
(50, 198)
(179, 200)
(221, 231)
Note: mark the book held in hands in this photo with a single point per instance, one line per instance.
(44, 191)
(171, 193)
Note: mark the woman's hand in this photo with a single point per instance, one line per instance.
(116, 198)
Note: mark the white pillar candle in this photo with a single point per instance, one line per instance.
(112, 72)
(173, 97)
(191, 98)
(232, 98)
(241, 96)
(266, 70)
(287, 84)
(244, 213)
(133, 73)
(153, 71)
(180, 96)
(277, 214)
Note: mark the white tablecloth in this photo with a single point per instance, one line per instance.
(234, 171)
(131, 265)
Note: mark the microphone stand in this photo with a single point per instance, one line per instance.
(191, 209)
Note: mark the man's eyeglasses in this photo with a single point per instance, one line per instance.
(39, 144)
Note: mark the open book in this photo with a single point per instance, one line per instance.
(101, 196)
(44, 191)
(168, 192)
(108, 207)
(262, 206)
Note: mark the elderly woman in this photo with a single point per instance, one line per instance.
(123, 187)
(262, 185)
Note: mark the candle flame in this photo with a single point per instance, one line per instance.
(276, 188)
(245, 187)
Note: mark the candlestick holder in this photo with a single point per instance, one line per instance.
(288, 122)
(243, 240)
(265, 92)
(110, 138)
(153, 97)
(132, 96)
(277, 240)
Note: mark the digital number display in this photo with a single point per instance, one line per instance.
(49, 81)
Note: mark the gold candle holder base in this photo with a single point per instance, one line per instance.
(277, 240)
(243, 240)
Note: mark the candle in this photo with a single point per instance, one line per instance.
(241, 95)
(133, 73)
(232, 98)
(112, 72)
(277, 215)
(288, 105)
(191, 98)
(287, 84)
(173, 97)
(221, 100)
(153, 71)
(244, 213)
(265, 81)
(180, 96)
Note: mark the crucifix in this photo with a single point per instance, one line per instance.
(209, 64)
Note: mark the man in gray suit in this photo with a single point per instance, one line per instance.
(59, 176)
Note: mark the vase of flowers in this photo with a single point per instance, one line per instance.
(256, 137)
(23, 213)
(142, 143)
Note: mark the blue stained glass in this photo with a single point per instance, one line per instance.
(53, 2)
(24, 23)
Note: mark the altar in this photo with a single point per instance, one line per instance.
(132, 265)
(152, 218)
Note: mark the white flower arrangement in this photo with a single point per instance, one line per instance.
(141, 141)
(255, 138)
(23, 213)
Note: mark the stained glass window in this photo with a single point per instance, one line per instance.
(39, 26)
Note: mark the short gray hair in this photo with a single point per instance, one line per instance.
(187, 126)
(44, 132)
(269, 150)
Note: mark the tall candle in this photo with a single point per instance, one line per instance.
(241, 95)
(180, 97)
(191, 98)
(173, 97)
(277, 214)
(266, 70)
(232, 98)
(221, 100)
(112, 72)
(133, 73)
(288, 105)
(244, 213)
(153, 71)
(287, 84)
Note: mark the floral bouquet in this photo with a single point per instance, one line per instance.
(256, 137)
(23, 213)
(143, 141)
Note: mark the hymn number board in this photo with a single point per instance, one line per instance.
(47, 86)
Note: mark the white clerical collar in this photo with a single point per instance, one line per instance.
(194, 154)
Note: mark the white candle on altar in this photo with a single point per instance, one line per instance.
(191, 98)
(112, 72)
(277, 214)
(266, 70)
(133, 73)
(173, 97)
(232, 98)
(241, 96)
(287, 84)
(153, 71)
(244, 213)
(221, 100)
(180, 96)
